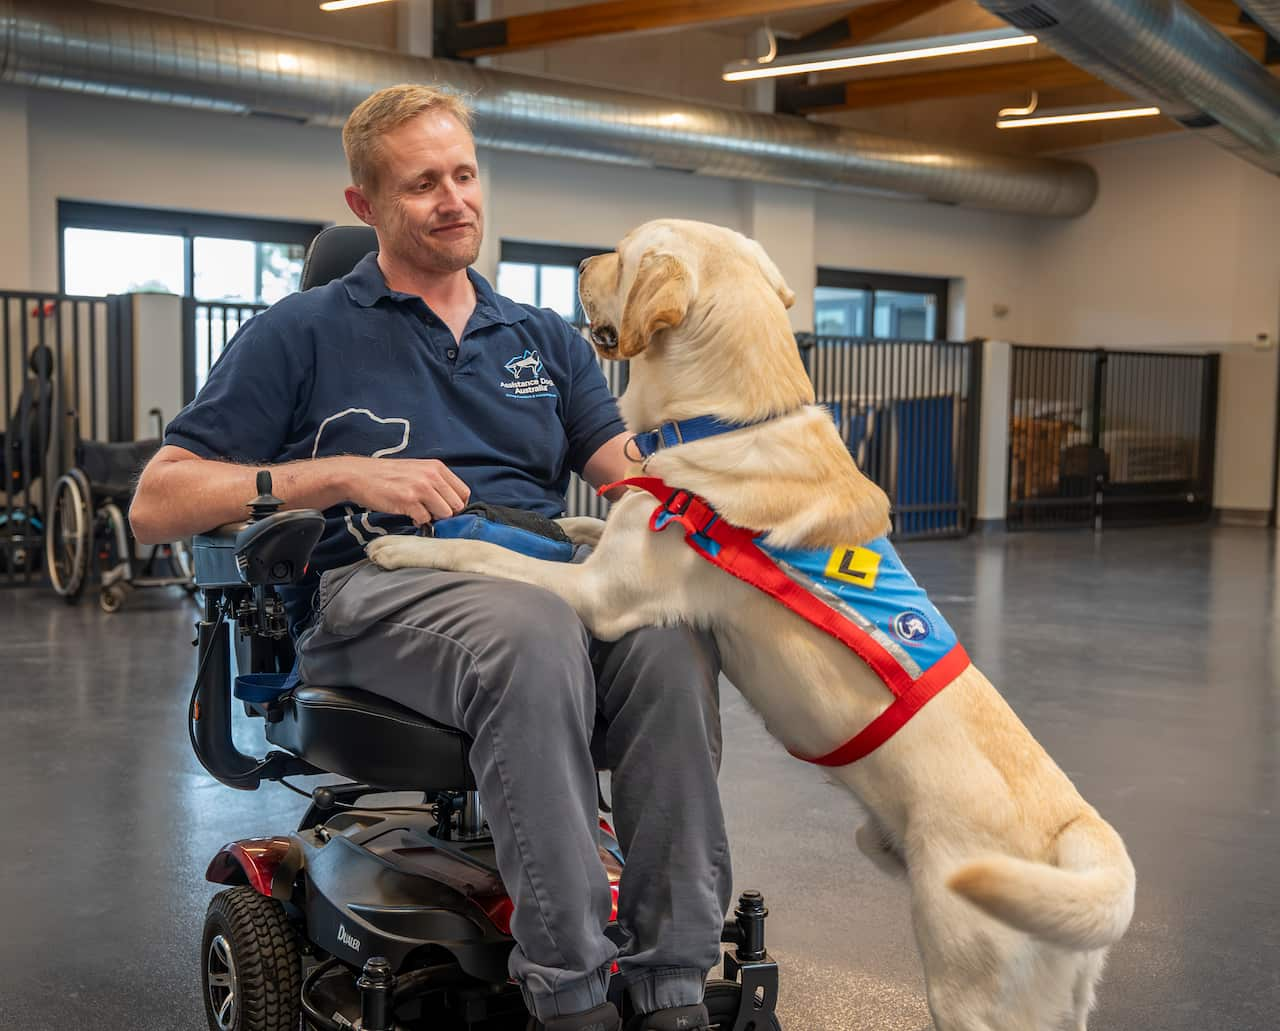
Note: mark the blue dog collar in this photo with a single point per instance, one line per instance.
(686, 431)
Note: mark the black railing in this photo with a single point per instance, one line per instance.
(64, 375)
(207, 328)
(908, 411)
(1118, 437)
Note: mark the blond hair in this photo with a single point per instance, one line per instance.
(384, 111)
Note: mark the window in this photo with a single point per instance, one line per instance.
(108, 249)
(544, 275)
(870, 304)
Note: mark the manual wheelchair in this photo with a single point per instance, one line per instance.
(372, 915)
(88, 525)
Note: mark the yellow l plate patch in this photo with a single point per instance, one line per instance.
(858, 566)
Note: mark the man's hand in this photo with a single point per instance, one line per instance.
(423, 489)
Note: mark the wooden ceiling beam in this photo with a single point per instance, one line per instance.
(528, 31)
(860, 26)
(1223, 14)
(1042, 74)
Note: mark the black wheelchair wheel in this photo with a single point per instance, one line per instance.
(252, 964)
(68, 538)
(721, 999)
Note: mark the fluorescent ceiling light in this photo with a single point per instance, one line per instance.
(342, 5)
(1067, 117)
(878, 53)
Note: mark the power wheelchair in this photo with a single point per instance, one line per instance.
(373, 915)
(397, 910)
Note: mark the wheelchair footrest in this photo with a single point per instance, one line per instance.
(261, 688)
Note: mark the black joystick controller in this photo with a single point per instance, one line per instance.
(265, 503)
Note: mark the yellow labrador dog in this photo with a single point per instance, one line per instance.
(1018, 886)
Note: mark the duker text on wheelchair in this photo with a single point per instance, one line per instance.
(372, 915)
(88, 525)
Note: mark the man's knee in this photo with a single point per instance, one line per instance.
(534, 654)
(674, 670)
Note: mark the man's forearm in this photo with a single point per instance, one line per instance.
(179, 497)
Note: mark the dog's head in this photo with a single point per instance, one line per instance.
(701, 312)
(664, 275)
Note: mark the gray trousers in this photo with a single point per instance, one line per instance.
(514, 668)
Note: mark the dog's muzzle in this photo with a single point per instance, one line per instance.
(604, 336)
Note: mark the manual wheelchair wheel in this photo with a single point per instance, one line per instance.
(68, 535)
(252, 960)
(721, 999)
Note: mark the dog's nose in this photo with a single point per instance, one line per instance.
(604, 336)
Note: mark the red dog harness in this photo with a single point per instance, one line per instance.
(734, 550)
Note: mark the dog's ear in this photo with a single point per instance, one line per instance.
(771, 273)
(659, 299)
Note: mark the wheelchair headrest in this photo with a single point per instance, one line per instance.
(40, 361)
(334, 252)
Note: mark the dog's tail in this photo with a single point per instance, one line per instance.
(1084, 902)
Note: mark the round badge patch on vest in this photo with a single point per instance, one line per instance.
(912, 626)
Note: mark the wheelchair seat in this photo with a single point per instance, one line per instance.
(111, 468)
(371, 740)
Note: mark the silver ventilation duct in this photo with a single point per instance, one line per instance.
(113, 51)
(1163, 52)
(1266, 13)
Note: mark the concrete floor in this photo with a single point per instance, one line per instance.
(1147, 662)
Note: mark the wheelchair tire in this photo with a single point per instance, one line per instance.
(721, 999)
(252, 964)
(111, 599)
(68, 537)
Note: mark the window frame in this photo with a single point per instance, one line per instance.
(871, 282)
(73, 214)
(523, 252)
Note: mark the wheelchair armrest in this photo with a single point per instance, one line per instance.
(273, 550)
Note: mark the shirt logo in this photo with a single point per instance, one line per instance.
(527, 379)
(858, 566)
(912, 626)
(529, 362)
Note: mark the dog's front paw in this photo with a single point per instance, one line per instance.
(398, 551)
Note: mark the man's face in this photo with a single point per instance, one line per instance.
(427, 206)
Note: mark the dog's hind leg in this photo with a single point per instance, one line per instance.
(1082, 993)
(975, 969)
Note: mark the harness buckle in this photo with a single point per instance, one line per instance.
(679, 502)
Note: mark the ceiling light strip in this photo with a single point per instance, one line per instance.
(1078, 116)
(881, 53)
(346, 5)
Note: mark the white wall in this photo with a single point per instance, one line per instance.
(987, 255)
(1180, 250)
(143, 154)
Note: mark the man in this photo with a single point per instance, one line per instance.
(386, 399)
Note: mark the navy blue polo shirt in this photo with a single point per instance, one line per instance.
(355, 368)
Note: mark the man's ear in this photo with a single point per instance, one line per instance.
(359, 205)
(659, 299)
(771, 273)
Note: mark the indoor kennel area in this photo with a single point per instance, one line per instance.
(1023, 255)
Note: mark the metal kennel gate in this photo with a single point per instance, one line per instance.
(908, 410)
(1104, 437)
